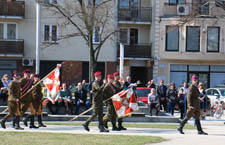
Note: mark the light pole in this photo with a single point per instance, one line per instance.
(38, 24)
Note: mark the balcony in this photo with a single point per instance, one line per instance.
(12, 48)
(14, 9)
(135, 15)
(136, 51)
(187, 9)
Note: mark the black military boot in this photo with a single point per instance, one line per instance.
(199, 128)
(102, 129)
(120, 126)
(14, 122)
(40, 123)
(17, 125)
(105, 123)
(32, 122)
(25, 119)
(4, 120)
(114, 127)
(180, 128)
(85, 125)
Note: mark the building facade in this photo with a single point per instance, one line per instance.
(17, 42)
(189, 40)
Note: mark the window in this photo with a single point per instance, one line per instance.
(11, 31)
(172, 38)
(97, 35)
(97, 2)
(213, 36)
(133, 36)
(204, 7)
(175, 2)
(1, 31)
(124, 3)
(124, 35)
(193, 39)
(50, 33)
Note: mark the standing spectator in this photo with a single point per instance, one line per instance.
(172, 97)
(203, 100)
(153, 101)
(151, 84)
(84, 85)
(180, 100)
(81, 98)
(66, 96)
(185, 88)
(4, 88)
(161, 91)
(127, 82)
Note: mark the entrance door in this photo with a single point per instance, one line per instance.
(139, 73)
(202, 77)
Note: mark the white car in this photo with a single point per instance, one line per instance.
(215, 95)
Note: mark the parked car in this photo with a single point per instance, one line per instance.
(142, 94)
(216, 95)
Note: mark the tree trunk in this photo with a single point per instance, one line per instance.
(92, 61)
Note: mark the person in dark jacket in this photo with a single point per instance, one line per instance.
(193, 107)
(171, 94)
(81, 97)
(180, 100)
(161, 91)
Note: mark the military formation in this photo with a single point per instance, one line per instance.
(102, 92)
(24, 93)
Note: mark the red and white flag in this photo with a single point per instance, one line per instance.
(52, 81)
(125, 102)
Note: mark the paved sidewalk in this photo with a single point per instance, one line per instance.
(216, 130)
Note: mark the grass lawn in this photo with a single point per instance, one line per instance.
(29, 138)
(129, 125)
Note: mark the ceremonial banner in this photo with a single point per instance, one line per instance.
(125, 102)
(52, 82)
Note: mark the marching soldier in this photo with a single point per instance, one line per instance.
(13, 102)
(119, 87)
(193, 107)
(108, 91)
(37, 100)
(26, 101)
(97, 103)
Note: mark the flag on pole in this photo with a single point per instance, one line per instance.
(125, 102)
(52, 81)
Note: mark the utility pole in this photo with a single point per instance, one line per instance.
(38, 24)
(121, 59)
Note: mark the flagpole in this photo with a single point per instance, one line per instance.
(58, 65)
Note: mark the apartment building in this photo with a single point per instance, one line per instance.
(135, 25)
(17, 42)
(189, 40)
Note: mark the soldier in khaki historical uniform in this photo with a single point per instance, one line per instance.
(36, 105)
(26, 101)
(108, 91)
(13, 102)
(37, 100)
(97, 103)
(193, 107)
(119, 87)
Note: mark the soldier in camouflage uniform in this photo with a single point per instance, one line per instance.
(26, 101)
(108, 91)
(97, 103)
(119, 87)
(193, 107)
(13, 102)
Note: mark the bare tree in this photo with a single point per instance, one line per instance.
(91, 19)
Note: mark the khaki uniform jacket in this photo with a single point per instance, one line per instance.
(28, 98)
(193, 96)
(97, 89)
(118, 86)
(108, 91)
(14, 91)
